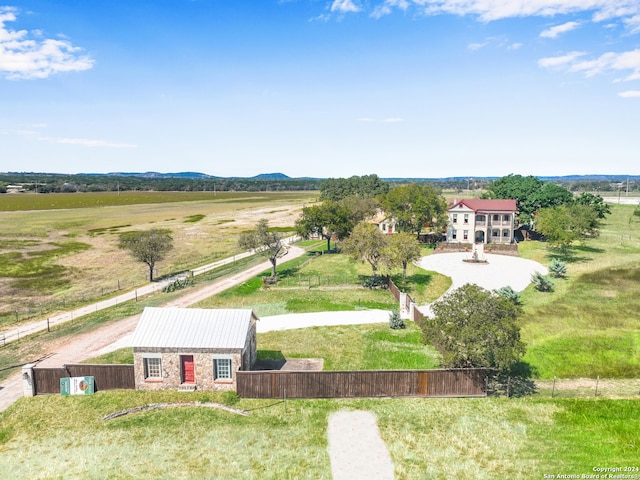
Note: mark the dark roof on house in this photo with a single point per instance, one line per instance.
(192, 328)
(488, 205)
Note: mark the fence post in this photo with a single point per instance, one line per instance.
(28, 384)
(48, 329)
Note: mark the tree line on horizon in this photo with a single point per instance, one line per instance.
(331, 188)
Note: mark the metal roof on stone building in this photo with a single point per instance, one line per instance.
(193, 328)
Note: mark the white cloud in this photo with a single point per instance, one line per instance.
(560, 61)
(26, 55)
(85, 142)
(344, 6)
(630, 94)
(606, 63)
(387, 7)
(633, 23)
(393, 120)
(477, 46)
(488, 10)
(553, 32)
(496, 42)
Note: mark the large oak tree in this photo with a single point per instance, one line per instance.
(474, 327)
(415, 207)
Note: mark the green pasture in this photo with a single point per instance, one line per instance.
(589, 326)
(67, 437)
(56, 201)
(317, 283)
(40, 273)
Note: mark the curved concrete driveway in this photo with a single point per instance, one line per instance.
(499, 271)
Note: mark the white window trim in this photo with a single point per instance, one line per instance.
(147, 370)
(216, 375)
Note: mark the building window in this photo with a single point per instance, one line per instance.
(505, 233)
(480, 218)
(496, 218)
(222, 368)
(495, 233)
(152, 368)
(465, 234)
(454, 234)
(466, 218)
(505, 218)
(455, 218)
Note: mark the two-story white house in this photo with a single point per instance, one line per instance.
(482, 221)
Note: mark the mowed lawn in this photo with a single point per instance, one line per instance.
(67, 437)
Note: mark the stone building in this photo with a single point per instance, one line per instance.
(192, 348)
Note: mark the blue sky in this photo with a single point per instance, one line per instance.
(322, 88)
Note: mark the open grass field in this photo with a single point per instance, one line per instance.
(67, 437)
(52, 258)
(56, 437)
(589, 326)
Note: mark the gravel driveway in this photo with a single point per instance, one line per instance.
(499, 271)
(357, 452)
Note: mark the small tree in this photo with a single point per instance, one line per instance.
(395, 321)
(541, 282)
(148, 246)
(402, 248)
(474, 327)
(558, 268)
(366, 243)
(510, 294)
(265, 243)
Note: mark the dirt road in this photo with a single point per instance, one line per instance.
(105, 338)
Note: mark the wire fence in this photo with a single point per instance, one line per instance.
(588, 388)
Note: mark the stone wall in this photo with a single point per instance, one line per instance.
(172, 370)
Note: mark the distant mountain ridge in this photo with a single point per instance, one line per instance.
(282, 176)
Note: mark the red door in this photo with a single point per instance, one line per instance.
(188, 371)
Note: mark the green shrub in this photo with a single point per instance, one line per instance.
(376, 281)
(542, 283)
(558, 268)
(395, 321)
(230, 398)
(510, 294)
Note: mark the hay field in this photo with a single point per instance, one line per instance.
(55, 258)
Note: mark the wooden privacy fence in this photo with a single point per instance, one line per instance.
(106, 377)
(368, 383)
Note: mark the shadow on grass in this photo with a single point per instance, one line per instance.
(576, 254)
(412, 281)
(514, 382)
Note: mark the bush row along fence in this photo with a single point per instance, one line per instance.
(367, 383)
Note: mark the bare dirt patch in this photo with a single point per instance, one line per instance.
(290, 364)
